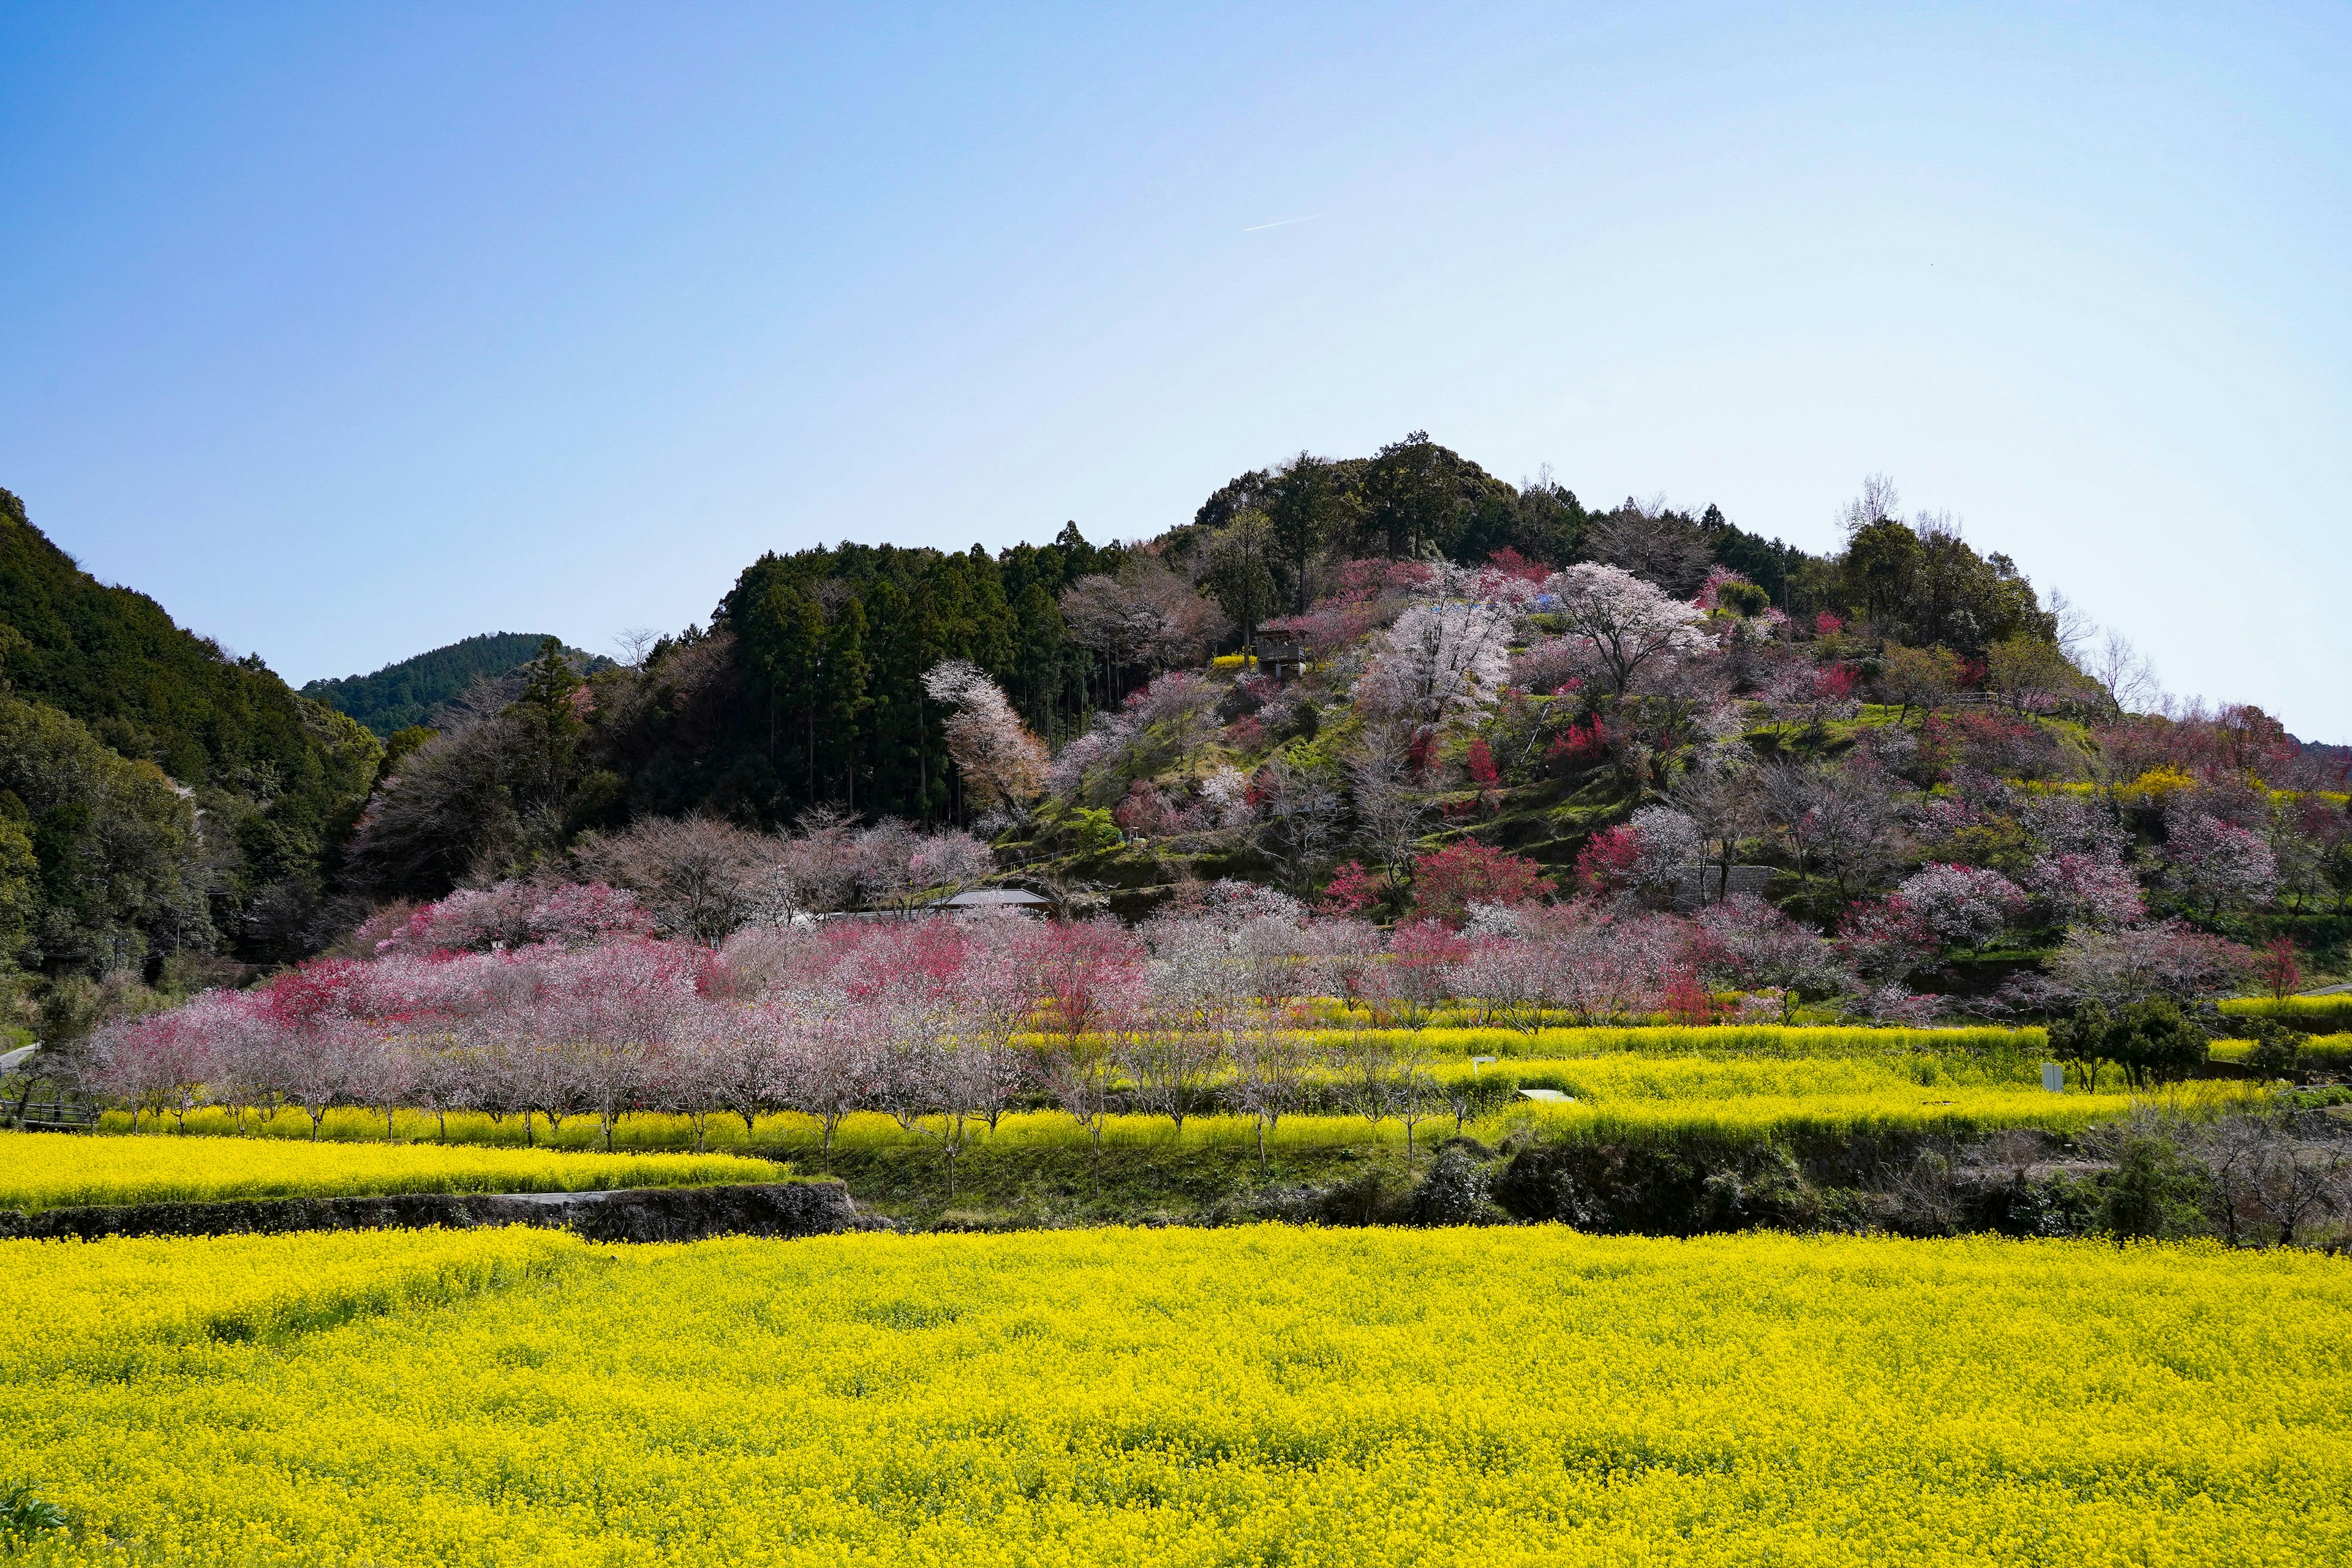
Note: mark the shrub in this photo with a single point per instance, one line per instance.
(2156, 1191)
(2275, 1051)
(1580, 746)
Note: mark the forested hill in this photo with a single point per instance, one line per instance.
(415, 691)
(101, 681)
(1134, 745)
(805, 690)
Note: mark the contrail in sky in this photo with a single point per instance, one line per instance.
(1284, 223)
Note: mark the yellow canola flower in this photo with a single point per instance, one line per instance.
(1258, 1395)
(1831, 1040)
(2306, 1010)
(43, 1170)
(108, 1308)
(2327, 1050)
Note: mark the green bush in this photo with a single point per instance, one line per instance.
(2156, 1191)
(2275, 1050)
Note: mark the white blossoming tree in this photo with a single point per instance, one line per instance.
(1003, 764)
(1623, 623)
(1439, 662)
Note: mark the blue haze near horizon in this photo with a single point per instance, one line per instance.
(350, 331)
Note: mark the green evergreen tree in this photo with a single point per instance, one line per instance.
(781, 631)
(906, 642)
(995, 630)
(1039, 674)
(1307, 509)
(844, 701)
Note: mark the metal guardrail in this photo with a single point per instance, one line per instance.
(50, 1116)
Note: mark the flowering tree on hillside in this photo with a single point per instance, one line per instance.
(1744, 942)
(159, 1064)
(1446, 882)
(1963, 906)
(1146, 616)
(1604, 966)
(1838, 822)
(513, 914)
(1508, 979)
(2088, 890)
(1004, 766)
(616, 1006)
(1089, 975)
(2218, 865)
(908, 993)
(1623, 623)
(1418, 975)
(697, 876)
(1649, 854)
(2279, 967)
(1610, 861)
(1439, 662)
(1886, 939)
(2162, 958)
(996, 1000)
(1271, 1062)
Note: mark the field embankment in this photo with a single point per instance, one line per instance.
(46, 1171)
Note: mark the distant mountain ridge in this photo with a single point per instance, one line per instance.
(415, 691)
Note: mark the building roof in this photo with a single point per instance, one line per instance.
(993, 898)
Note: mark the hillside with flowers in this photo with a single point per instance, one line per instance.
(1332, 786)
(1393, 689)
(1973, 830)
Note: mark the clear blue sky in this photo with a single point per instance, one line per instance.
(348, 332)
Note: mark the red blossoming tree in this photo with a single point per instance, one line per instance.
(1446, 882)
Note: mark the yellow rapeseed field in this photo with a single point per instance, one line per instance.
(1837, 1040)
(1170, 1398)
(2323, 1050)
(2318, 1012)
(44, 1171)
(1762, 1094)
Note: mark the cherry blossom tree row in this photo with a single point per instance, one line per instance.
(1235, 996)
